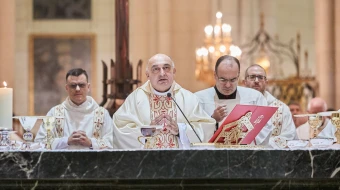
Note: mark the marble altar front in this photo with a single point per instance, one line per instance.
(172, 169)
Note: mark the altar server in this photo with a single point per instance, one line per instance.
(282, 120)
(152, 104)
(83, 124)
(218, 101)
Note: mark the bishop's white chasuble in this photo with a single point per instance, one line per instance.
(144, 104)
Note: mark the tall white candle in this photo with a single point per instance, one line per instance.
(6, 107)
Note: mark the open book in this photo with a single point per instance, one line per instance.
(254, 119)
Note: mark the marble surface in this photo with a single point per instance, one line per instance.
(278, 168)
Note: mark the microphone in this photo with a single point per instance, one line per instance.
(169, 96)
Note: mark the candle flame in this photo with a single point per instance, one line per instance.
(5, 84)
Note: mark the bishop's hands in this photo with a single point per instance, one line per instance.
(79, 138)
(168, 122)
(219, 113)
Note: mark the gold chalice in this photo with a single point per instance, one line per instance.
(49, 123)
(314, 122)
(335, 119)
(148, 132)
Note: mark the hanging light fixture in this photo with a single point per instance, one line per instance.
(217, 42)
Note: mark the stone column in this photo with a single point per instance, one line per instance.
(337, 54)
(7, 42)
(324, 46)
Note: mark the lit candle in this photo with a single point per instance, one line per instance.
(6, 107)
(226, 29)
(208, 31)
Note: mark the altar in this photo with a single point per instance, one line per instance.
(172, 169)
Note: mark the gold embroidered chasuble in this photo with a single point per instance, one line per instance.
(277, 117)
(282, 121)
(144, 104)
(161, 104)
(94, 120)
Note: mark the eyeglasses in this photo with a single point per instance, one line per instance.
(74, 86)
(223, 80)
(259, 77)
(156, 70)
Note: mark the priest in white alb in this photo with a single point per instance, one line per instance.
(219, 101)
(80, 122)
(282, 120)
(150, 104)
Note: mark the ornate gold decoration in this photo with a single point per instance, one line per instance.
(336, 122)
(274, 56)
(233, 136)
(314, 122)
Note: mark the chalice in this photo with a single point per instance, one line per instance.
(335, 119)
(148, 132)
(49, 123)
(314, 122)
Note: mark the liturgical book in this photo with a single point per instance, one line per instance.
(260, 115)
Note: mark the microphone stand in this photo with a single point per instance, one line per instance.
(169, 96)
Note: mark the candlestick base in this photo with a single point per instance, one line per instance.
(5, 142)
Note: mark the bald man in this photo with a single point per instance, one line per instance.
(326, 130)
(149, 105)
(220, 100)
(282, 120)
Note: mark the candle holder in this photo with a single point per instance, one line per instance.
(49, 123)
(335, 119)
(314, 122)
(5, 142)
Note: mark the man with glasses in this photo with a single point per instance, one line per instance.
(283, 125)
(81, 122)
(218, 101)
(152, 104)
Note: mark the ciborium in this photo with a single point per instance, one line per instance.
(49, 123)
(27, 122)
(148, 132)
(335, 119)
(314, 122)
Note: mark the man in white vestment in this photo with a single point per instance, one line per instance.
(150, 105)
(282, 120)
(218, 101)
(81, 122)
(326, 130)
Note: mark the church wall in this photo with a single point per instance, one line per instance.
(102, 25)
(173, 27)
(178, 28)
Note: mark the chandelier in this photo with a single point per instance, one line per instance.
(217, 42)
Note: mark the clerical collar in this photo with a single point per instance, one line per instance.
(222, 96)
(161, 93)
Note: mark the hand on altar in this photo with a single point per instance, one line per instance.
(219, 113)
(79, 138)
